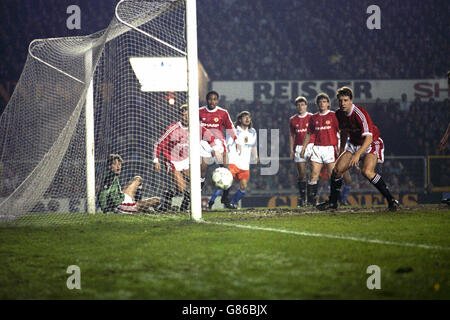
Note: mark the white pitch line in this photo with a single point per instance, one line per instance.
(330, 236)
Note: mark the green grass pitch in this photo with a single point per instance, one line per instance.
(259, 254)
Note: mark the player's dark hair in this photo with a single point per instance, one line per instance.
(210, 93)
(322, 95)
(240, 116)
(300, 99)
(113, 157)
(345, 91)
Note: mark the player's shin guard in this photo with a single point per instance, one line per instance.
(166, 200)
(312, 192)
(335, 188)
(345, 193)
(238, 196)
(215, 194)
(301, 184)
(378, 182)
(225, 199)
(186, 201)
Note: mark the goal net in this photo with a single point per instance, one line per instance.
(123, 78)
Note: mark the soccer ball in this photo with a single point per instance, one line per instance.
(222, 178)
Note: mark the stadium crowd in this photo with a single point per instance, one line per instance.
(291, 40)
(260, 40)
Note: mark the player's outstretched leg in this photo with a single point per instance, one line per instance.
(215, 194)
(186, 201)
(335, 190)
(237, 197)
(378, 182)
(146, 204)
(368, 171)
(301, 184)
(166, 200)
(344, 194)
(225, 199)
(312, 192)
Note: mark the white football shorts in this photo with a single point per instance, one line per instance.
(206, 149)
(181, 165)
(376, 148)
(308, 151)
(323, 154)
(128, 206)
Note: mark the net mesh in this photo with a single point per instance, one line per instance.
(43, 130)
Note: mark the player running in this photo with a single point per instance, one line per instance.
(324, 127)
(363, 142)
(239, 161)
(111, 198)
(216, 120)
(174, 145)
(298, 126)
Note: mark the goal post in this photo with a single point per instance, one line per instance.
(80, 99)
(90, 139)
(193, 99)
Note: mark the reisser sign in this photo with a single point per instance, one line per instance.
(364, 90)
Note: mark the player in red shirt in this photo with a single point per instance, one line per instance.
(324, 127)
(174, 145)
(216, 120)
(298, 125)
(360, 139)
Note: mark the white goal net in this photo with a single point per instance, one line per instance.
(43, 128)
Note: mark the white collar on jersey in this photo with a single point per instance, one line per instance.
(300, 116)
(215, 109)
(324, 114)
(351, 110)
(242, 129)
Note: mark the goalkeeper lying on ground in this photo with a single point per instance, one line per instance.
(111, 197)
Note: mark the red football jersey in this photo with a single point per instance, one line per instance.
(358, 124)
(216, 121)
(325, 128)
(174, 143)
(298, 126)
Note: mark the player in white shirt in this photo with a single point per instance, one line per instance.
(239, 161)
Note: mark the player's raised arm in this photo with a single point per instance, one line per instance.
(207, 135)
(291, 146)
(160, 145)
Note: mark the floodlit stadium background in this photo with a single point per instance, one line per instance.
(261, 54)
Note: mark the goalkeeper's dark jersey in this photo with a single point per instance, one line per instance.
(111, 195)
